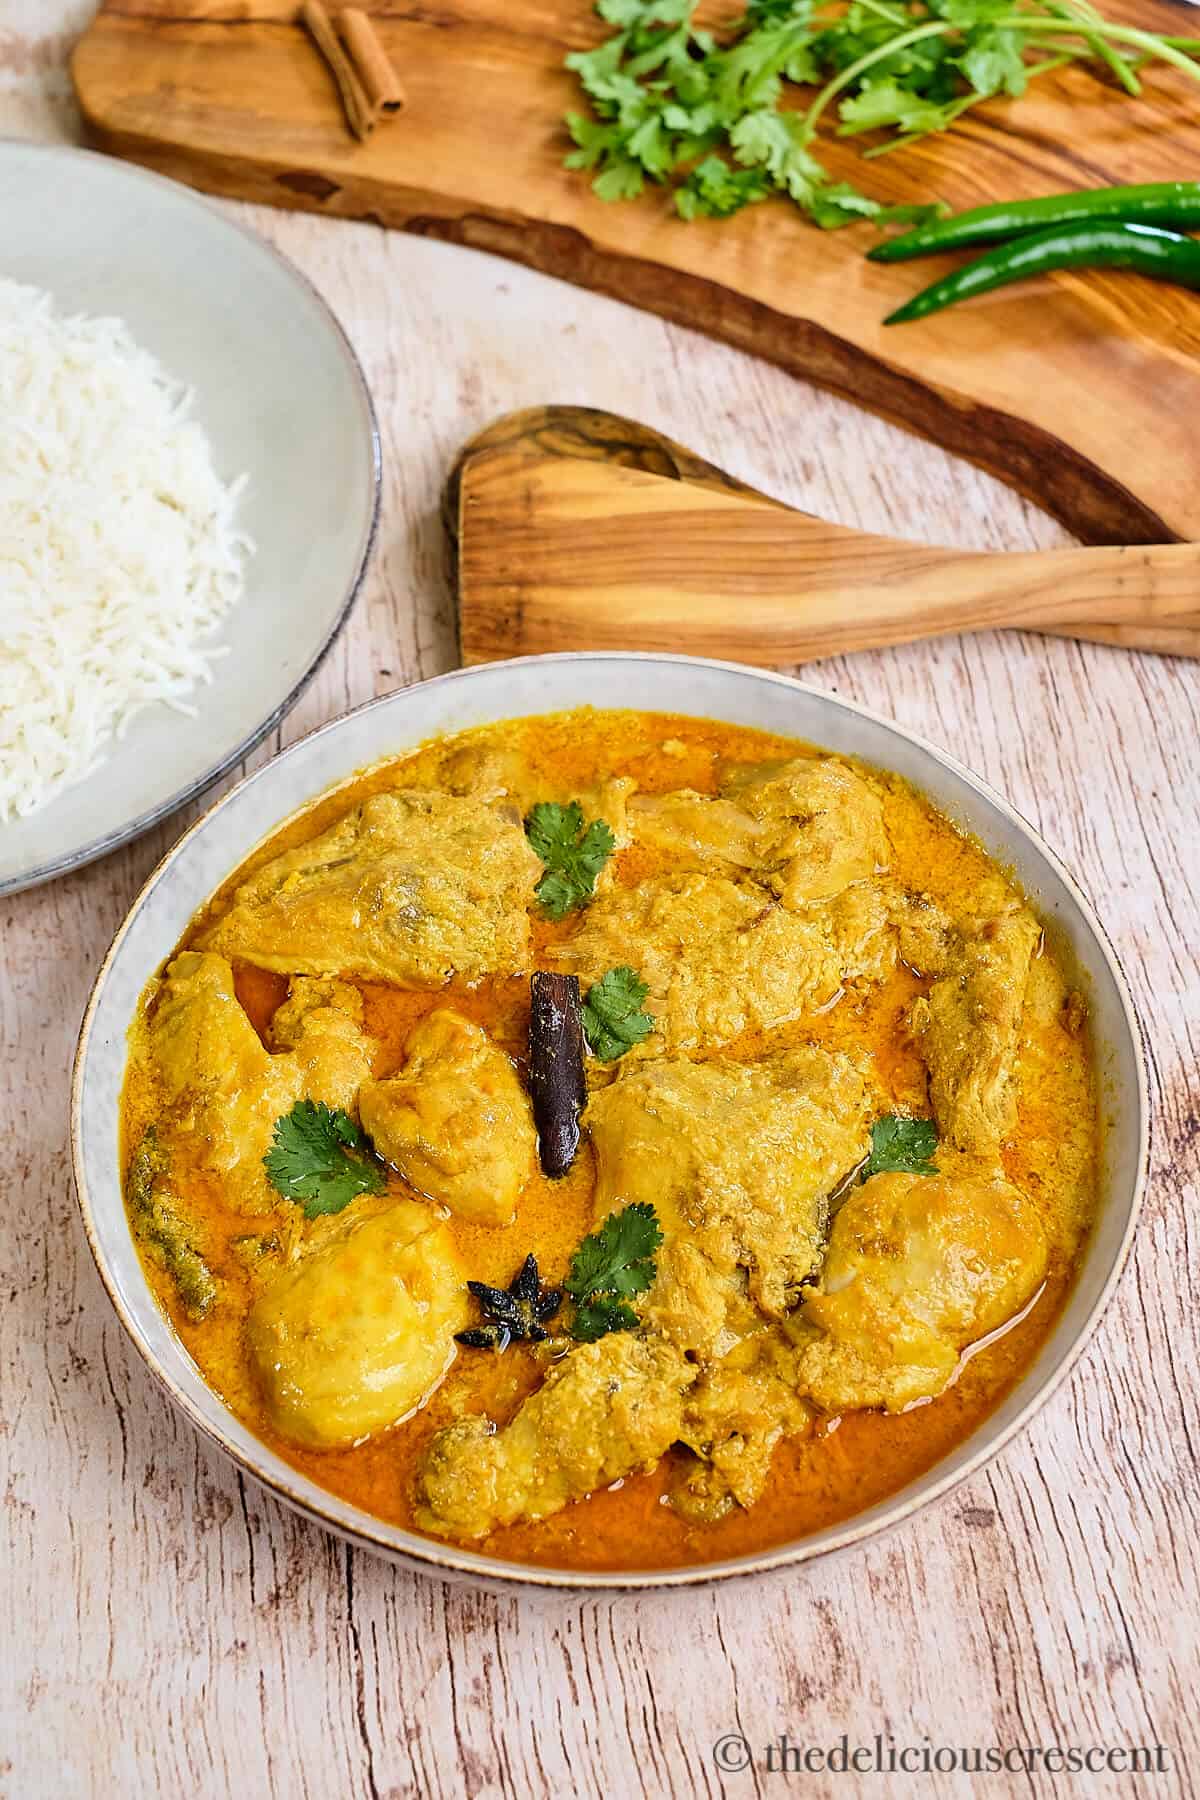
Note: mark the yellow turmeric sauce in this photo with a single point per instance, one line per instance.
(849, 1464)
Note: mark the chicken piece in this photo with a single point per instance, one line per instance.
(1051, 1080)
(874, 925)
(455, 1121)
(820, 824)
(484, 771)
(968, 1028)
(221, 1088)
(356, 1334)
(738, 1159)
(918, 1268)
(309, 995)
(224, 1091)
(734, 1416)
(721, 957)
(321, 1023)
(718, 956)
(610, 800)
(207, 1053)
(807, 828)
(410, 888)
(604, 1411)
(925, 937)
(698, 830)
(861, 923)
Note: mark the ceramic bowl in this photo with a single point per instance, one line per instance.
(386, 727)
(278, 390)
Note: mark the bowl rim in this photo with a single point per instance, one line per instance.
(83, 854)
(430, 1556)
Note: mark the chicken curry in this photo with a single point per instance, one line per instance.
(613, 1139)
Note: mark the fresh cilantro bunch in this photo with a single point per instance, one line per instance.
(574, 854)
(613, 1020)
(904, 1144)
(610, 1268)
(320, 1158)
(711, 117)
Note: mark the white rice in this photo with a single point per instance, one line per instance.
(118, 551)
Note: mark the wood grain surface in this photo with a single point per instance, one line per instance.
(569, 537)
(166, 1629)
(230, 94)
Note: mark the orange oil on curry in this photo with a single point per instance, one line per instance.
(848, 1464)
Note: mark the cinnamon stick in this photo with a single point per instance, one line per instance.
(371, 61)
(557, 1085)
(360, 114)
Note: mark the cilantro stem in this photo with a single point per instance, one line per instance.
(1121, 34)
(895, 15)
(1120, 68)
(1048, 67)
(850, 74)
(1042, 24)
(1033, 70)
(914, 137)
(1111, 58)
(1039, 23)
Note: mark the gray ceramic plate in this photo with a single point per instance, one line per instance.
(281, 395)
(221, 840)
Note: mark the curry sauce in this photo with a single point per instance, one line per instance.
(848, 1461)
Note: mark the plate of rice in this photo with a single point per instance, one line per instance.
(189, 487)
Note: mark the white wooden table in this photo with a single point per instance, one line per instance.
(167, 1629)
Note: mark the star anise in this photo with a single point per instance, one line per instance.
(515, 1314)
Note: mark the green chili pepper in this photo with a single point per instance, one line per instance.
(1158, 203)
(1091, 244)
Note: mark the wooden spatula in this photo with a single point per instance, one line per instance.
(579, 530)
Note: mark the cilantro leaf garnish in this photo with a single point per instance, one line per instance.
(320, 1158)
(711, 117)
(613, 1020)
(611, 1267)
(574, 854)
(904, 1144)
(714, 190)
(596, 1318)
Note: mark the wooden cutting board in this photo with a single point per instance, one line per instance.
(1082, 391)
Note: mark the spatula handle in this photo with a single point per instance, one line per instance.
(562, 554)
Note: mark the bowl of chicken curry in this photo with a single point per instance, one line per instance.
(609, 1119)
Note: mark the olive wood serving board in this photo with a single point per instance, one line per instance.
(577, 530)
(1083, 390)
